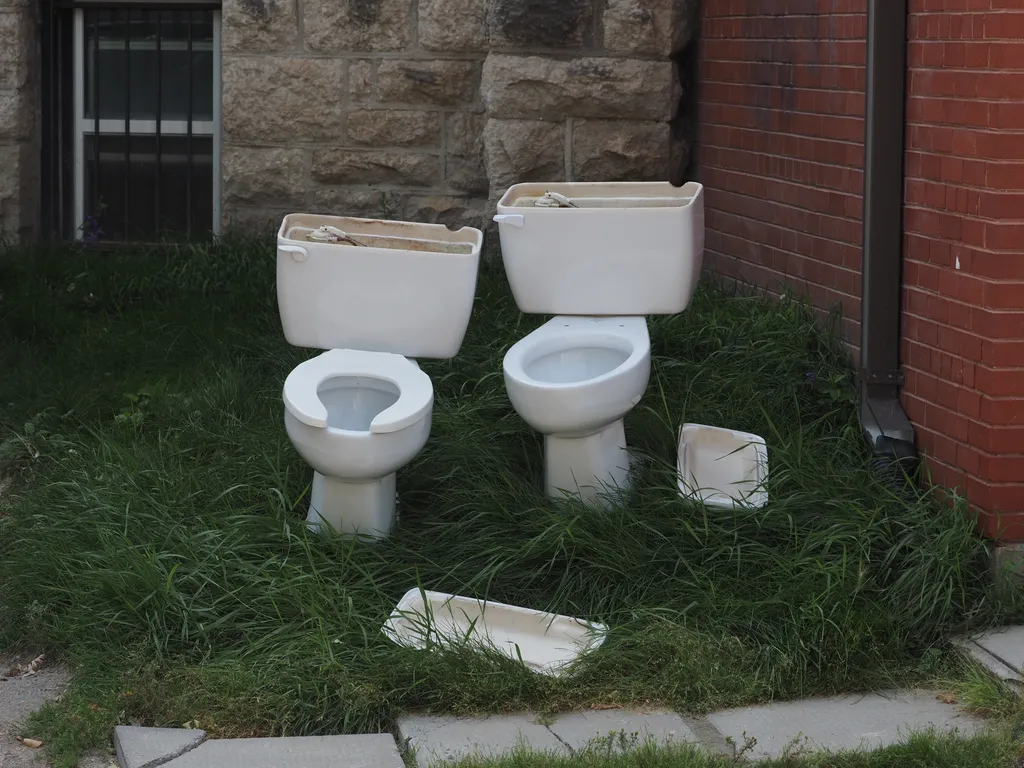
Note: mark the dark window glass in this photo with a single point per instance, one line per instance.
(150, 173)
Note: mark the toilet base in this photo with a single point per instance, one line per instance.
(364, 508)
(593, 466)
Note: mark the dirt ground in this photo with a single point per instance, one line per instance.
(20, 695)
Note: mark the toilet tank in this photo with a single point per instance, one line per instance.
(399, 287)
(629, 248)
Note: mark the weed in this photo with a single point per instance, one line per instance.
(740, 751)
(388, 205)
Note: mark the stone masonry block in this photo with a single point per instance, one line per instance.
(620, 150)
(523, 150)
(684, 24)
(336, 26)
(552, 89)
(361, 75)
(643, 27)
(254, 221)
(259, 26)
(16, 118)
(394, 128)
(357, 201)
(452, 211)
(269, 99)
(453, 25)
(18, 41)
(342, 166)
(10, 189)
(263, 176)
(538, 23)
(442, 82)
(464, 155)
(649, 27)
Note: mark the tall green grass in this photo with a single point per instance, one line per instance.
(153, 529)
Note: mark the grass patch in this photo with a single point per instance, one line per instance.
(153, 533)
(920, 750)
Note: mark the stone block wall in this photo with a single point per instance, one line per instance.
(429, 109)
(19, 104)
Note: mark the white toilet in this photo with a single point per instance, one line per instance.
(361, 411)
(616, 253)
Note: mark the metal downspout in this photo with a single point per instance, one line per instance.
(885, 424)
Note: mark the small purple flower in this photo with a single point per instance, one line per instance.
(91, 230)
(810, 376)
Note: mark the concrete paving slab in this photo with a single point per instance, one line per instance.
(862, 721)
(987, 660)
(1006, 644)
(578, 729)
(139, 747)
(371, 750)
(438, 737)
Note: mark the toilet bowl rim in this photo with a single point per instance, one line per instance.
(517, 355)
(415, 390)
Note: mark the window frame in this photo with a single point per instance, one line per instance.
(81, 127)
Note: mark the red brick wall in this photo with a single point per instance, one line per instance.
(780, 145)
(963, 346)
(780, 152)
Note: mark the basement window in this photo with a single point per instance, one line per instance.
(139, 147)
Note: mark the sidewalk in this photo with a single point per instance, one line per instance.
(842, 722)
(858, 721)
(1001, 652)
(864, 721)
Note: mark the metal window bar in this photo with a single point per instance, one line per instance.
(127, 123)
(69, 193)
(95, 203)
(56, 152)
(159, 115)
(47, 28)
(188, 163)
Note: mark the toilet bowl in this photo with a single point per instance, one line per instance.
(600, 256)
(377, 295)
(573, 380)
(357, 417)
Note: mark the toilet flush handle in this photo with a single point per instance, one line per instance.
(297, 251)
(513, 219)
